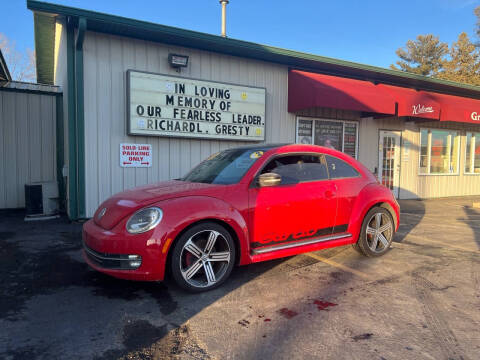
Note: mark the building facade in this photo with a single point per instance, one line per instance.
(122, 86)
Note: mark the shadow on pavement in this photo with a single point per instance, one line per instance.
(52, 301)
(473, 221)
(411, 214)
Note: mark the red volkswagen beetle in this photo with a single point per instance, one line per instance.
(237, 207)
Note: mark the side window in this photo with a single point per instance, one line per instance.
(298, 168)
(339, 169)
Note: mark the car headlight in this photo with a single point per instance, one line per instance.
(144, 220)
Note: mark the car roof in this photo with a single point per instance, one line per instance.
(289, 147)
(309, 148)
(259, 147)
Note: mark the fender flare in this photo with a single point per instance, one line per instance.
(203, 208)
(371, 195)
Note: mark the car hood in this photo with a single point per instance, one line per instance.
(125, 203)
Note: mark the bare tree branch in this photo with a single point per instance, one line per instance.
(21, 65)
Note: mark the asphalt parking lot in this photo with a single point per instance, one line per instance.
(419, 301)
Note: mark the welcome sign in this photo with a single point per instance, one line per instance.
(163, 105)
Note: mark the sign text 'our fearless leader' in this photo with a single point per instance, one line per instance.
(162, 105)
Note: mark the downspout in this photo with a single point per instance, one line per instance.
(80, 117)
(72, 125)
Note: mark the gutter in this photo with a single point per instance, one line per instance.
(132, 28)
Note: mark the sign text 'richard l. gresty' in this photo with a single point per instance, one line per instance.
(162, 105)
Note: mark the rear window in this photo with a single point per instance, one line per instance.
(339, 169)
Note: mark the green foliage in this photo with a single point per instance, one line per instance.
(428, 56)
(463, 64)
(423, 56)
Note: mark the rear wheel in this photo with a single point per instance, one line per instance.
(203, 257)
(377, 233)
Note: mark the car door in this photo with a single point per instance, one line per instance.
(348, 184)
(302, 206)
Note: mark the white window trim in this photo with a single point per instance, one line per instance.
(429, 152)
(314, 119)
(472, 158)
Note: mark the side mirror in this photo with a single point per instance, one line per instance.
(269, 179)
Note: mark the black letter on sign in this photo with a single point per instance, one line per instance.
(169, 99)
(180, 88)
(140, 110)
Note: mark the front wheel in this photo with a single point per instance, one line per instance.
(377, 233)
(203, 257)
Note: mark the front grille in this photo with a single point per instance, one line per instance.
(113, 261)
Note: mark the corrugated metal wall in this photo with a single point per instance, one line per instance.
(106, 59)
(27, 143)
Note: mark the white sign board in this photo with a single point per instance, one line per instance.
(162, 105)
(135, 155)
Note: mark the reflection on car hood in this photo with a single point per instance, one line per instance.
(125, 203)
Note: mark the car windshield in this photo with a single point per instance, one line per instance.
(226, 167)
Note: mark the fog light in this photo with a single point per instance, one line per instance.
(134, 261)
(135, 264)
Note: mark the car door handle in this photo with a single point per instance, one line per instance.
(329, 194)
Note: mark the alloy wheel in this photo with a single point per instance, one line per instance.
(204, 258)
(379, 232)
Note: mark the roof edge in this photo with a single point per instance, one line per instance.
(4, 68)
(248, 49)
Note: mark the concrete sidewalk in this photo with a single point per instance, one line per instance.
(419, 301)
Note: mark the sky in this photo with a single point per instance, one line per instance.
(367, 31)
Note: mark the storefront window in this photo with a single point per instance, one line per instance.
(472, 157)
(439, 151)
(335, 134)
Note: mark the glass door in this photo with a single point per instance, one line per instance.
(389, 160)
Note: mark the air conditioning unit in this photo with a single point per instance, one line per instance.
(41, 200)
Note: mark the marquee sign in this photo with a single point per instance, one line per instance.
(163, 105)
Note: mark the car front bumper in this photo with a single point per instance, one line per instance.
(126, 256)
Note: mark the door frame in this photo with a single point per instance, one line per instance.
(397, 167)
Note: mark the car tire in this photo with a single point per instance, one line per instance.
(203, 257)
(375, 239)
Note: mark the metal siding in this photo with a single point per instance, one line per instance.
(106, 59)
(27, 143)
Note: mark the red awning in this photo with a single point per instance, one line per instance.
(413, 103)
(307, 90)
(457, 109)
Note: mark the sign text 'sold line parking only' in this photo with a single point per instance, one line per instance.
(162, 105)
(135, 155)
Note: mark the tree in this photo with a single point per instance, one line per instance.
(423, 56)
(477, 14)
(463, 64)
(21, 65)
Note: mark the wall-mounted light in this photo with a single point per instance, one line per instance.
(178, 61)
